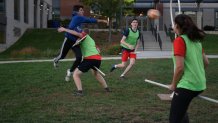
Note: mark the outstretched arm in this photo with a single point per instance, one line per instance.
(62, 29)
(102, 21)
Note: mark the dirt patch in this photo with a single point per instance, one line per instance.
(25, 51)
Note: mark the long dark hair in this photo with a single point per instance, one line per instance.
(188, 27)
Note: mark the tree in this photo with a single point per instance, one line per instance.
(108, 8)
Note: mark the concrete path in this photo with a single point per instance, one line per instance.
(140, 55)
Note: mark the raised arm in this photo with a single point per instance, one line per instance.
(62, 29)
(102, 21)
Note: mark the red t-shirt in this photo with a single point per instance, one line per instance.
(179, 47)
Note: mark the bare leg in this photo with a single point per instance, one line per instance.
(77, 80)
(132, 62)
(121, 65)
(100, 79)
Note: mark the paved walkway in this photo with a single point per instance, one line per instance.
(140, 55)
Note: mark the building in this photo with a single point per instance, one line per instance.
(206, 14)
(203, 14)
(18, 15)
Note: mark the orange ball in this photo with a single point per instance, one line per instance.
(153, 14)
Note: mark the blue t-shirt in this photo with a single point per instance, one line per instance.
(75, 24)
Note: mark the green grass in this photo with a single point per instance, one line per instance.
(36, 43)
(45, 43)
(210, 44)
(36, 92)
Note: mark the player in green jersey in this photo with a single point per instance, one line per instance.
(91, 60)
(190, 62)
(129, 44)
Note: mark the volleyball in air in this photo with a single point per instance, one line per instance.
(153, 14)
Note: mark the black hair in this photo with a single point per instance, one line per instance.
(134, 19)
(77, 7)
(188, 27)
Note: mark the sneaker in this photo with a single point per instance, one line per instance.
(67, 77)
(122, 77)
(55, 63)
(107, 89)
(78, 93)
(113, 68)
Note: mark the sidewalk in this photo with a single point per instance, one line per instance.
(140, 55)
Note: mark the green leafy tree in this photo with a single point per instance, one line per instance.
(108, 8)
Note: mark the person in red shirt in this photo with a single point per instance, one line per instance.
(189, 63)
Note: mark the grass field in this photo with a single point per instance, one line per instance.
(45, 43)
(36, 92)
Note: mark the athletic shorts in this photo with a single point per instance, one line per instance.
(87, 64)
(127, 54)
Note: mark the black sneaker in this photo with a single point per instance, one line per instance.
(78, 93)
(107, 90)
(113, 68)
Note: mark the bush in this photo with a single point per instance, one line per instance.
(114, 49)
(65, 22)
(209, 28)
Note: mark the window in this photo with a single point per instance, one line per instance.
(192, 14)
(17, 9)
(216, 20)
(56, 9)
(26, 9)
(2, 34)
(35, 13)
(2, 6)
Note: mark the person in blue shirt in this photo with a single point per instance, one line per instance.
(77, 20)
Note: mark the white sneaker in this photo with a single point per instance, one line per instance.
(122, 76)
(67, 78)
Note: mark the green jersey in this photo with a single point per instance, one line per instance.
(88, 47)
(131, 38)
(193, 77)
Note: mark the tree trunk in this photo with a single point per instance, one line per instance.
(110, 26)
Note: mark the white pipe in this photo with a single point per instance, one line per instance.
(165, 86)
(79, 40)
(179, 6)
(99, 71)
(171, 13)
(158, 84)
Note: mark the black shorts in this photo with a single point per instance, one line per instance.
(87, 64)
